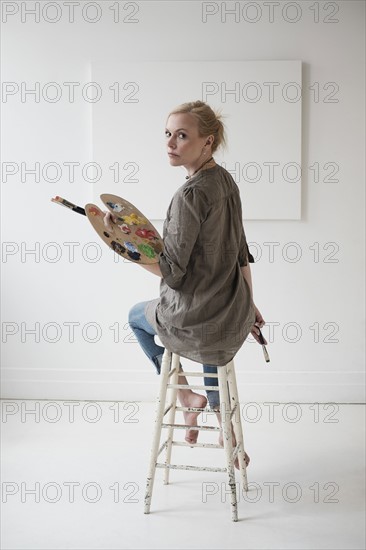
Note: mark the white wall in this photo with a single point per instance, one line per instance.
(311, 292)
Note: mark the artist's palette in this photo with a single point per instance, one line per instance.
(132, 235)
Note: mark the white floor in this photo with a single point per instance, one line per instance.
(306, 480)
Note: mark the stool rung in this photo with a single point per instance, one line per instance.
(206, 445)
(195, 409)
(184, 427)
(203, 445)
(190, 387)
(188, 467)
(202, 374)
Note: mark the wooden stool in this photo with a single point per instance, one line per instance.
(229, 408)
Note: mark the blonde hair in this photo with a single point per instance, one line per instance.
(209, 121)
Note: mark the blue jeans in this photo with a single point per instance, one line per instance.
(145, 333)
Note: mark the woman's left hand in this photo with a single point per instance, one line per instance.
(108, 220)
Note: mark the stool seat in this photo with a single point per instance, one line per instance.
(166, 404)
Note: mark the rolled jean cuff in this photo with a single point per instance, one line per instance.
(213, 398)
(157, 359)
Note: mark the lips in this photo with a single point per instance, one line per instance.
(172, 155)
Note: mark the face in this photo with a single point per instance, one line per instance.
(184, 145)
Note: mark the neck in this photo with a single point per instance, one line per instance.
(193, 169)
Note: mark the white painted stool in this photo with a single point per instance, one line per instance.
(229, 409)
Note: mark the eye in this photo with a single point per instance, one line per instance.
(167, 134)
(182, 135)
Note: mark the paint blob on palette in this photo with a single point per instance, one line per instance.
(131, 234)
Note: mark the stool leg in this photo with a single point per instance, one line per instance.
(171, 416)
(238, 428)
(225, 410)
(160, 407)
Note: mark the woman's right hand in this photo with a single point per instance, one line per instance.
(258, 323)
(108, 220)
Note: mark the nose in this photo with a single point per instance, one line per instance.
(171, 142)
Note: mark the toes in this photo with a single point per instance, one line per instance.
(192, 436)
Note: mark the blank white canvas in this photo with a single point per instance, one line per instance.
(261, 103)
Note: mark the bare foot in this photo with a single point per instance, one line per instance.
(195, 400)
(221, 442)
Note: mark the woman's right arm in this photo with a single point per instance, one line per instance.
(259, 321)
(247, 274)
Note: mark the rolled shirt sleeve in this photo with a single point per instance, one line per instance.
(244, 254)
(243, 251)
(186, 213)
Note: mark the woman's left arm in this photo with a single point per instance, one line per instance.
(188, 209)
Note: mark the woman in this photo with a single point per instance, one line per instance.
(205, 310)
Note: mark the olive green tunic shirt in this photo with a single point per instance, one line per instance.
(205, 311)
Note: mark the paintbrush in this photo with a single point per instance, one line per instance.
(262, 341)
(70, 205)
